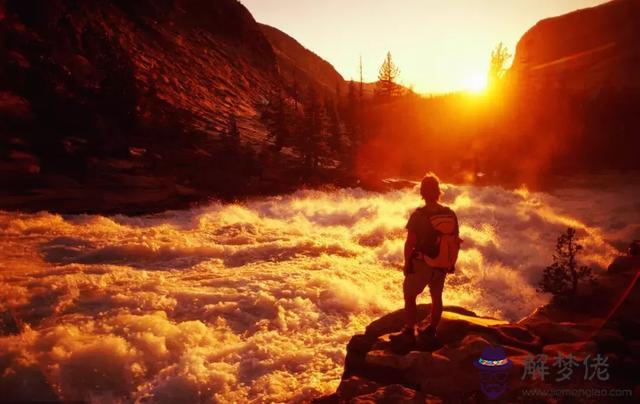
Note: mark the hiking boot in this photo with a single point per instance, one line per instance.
(428, 339)
(404, 341)
(429, 332)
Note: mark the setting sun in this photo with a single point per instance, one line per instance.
(476, 83)
(429, 42)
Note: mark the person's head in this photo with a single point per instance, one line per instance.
(430, 188)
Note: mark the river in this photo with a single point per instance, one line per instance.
(257, 301)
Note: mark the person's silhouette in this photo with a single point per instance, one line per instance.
(430, 252)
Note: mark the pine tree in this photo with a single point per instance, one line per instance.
(335, 129)
(313, 127)
(250, 166)
(562, 278)
(386, 87)
(278, 120)
(352, 118)
(499, 57)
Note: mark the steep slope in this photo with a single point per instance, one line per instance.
(126, 97)
(299, 64)
(586, 49)
(208, 58)
(573, 93)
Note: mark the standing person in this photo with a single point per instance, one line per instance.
(430, 252)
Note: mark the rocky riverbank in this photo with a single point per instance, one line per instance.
(604, 324)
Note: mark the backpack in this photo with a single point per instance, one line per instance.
(447, 244)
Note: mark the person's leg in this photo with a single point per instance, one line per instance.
(436, 308)
(407, 336)
(435, 289)
(410, 311)
(414, 283)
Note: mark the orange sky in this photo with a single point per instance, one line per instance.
(440, 46)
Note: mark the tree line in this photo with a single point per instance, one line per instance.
(385, 129)
(326, 131)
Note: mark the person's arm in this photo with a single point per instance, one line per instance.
(409, 245)
(457, 225)
(457, 233)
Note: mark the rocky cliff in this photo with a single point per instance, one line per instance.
(301, 67)
(119, 106)
(573, 93)
(585, 50)
(604, 323)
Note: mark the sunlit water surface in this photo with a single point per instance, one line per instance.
(257, 301)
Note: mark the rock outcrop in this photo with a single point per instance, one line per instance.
(585, 50)
(605, 323)
(301, 67)
(120, 106)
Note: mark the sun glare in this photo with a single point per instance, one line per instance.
(476, 83)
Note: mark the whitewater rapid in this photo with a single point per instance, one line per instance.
(257, 301)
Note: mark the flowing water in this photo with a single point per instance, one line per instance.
(257, 301)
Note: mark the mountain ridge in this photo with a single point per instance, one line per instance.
(117, 97)
(584, 50)
(298, 63)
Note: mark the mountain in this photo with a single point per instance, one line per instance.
(121, 106)
(299, 64)
(572, 95)
(588, 49)
(197, 56)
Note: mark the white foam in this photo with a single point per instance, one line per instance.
(237, 302)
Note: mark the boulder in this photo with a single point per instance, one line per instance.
(427, 365)
(624, 263)
(377, 370)
(360, 390)
(465, 352)
(609, 340)
(454, 326)
(519, 337)
(390, 359)
(357, 348)
(633, 347)
(430, 372)
(394, 321)
(462, 336)
(349, 388)
(398, 343)
(454, 387)
(395, 393)
(579, 350)
(561, 332)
